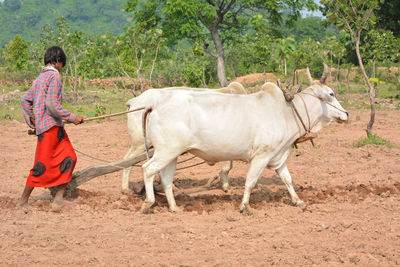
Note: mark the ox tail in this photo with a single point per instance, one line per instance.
(144, 124)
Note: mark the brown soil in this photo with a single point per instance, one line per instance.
(352, 216)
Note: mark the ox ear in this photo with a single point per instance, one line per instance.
(324, 74)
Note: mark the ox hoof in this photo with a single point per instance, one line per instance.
(225, 187)
(146, 207)
(126, 191)
(245, 209)
(175, 209)
(300, 204)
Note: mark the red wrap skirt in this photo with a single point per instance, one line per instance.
(55, 159)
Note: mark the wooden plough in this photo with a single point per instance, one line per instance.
(85, 175)
(89, 173)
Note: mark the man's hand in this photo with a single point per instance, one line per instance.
(33, 121)
(79, 120)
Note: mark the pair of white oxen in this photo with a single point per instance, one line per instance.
(224, 125)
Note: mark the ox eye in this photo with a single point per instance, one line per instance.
(332, 94)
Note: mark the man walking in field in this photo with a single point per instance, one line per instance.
(42, 108)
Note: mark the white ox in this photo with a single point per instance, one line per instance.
(259, 128)
(159, 96)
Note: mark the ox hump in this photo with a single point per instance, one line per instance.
(272, 89)
(237, 88)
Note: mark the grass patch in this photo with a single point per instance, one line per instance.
(373, 139)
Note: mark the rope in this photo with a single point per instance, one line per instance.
(182, 168)
(298, 115)
(109, 163)
(308, 116)
(182, 161)
(324, 101)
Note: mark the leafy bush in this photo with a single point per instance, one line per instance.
(193, 74)
(16, 53)
(372, 139)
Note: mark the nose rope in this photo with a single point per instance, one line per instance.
(308, 135)
(345, 112)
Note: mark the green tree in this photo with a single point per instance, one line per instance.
(380, 45)
(261, 41)
(199, 20)
(16, 53)
(284, 48)
(356, 16)
(308, 53)
(337, 50)
(98, 59)
(138, 50)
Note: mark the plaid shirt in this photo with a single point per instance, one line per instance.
(45, 96)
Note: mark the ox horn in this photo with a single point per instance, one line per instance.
(279, 83)
(310, 79)
(324, 74)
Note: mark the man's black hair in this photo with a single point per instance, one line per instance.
(55, 54)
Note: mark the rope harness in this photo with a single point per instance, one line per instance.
(308, 135)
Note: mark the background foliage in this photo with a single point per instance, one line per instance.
(28, 16)
(102, 40)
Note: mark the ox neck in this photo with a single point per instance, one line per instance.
(309, 109)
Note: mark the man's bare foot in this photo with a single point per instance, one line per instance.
(22, 203)
(63, 202)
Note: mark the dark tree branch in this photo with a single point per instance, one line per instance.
(211, 2)
(221, 5)
(207, 49)
(232, 24)
(228, 7)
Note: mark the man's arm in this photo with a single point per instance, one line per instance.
(27, 108)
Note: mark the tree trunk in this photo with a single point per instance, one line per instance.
(371, 92)
(347, 78)
(284, 61)
(373, 75)
(264, 74)
(221, 72)
(154, 62)
(337, 77)
(204, 78)
(294, 76)
(330, 69)
(75, 79)
(139, 66)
